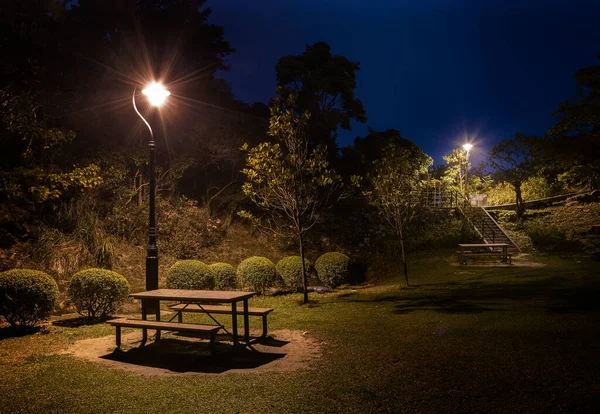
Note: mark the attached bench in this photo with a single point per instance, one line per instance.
(208, 330)
(484, 254)
(226, 310)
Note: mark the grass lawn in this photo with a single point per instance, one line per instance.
(463, 339)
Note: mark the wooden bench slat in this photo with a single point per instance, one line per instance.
(160, 325)
(220, 309)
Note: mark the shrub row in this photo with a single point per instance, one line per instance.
(29, 296)
(259, 273)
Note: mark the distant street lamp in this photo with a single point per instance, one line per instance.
(467, 148)
(156, 94)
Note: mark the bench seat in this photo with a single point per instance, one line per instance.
(226, 310)
(209, 331)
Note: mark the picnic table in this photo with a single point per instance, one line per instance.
(197, 298)
(482, 250)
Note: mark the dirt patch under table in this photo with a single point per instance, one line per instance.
(282, 351)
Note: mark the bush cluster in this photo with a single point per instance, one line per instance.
(224, 275)
(333, 269)
(97, 292)
(256, 273)
(546, 237)
(290, 270)
(190, 274)
(26, 297)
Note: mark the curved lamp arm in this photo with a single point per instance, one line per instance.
(140, 115)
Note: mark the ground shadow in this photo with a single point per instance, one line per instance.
(553, 294)
(78, 321)
(12, 332)
(193, 357)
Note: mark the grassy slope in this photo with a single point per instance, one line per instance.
(461, 340)
(574, 219)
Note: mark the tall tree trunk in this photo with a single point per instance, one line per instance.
(401, 236)
(304, 287)
(519, 208)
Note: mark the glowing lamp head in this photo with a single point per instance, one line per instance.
(468, 147)
(156, 93)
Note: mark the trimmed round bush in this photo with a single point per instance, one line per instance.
(333, 269)
(26, 296)
(224, 274)
(97, 293)
(290, 270)
(256, 273)
(190, 274)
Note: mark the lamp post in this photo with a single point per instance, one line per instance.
(156, 94)
(467, 148)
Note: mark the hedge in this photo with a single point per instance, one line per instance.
(26, 296)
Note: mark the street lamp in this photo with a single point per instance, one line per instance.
(467, 147)
(156, 94)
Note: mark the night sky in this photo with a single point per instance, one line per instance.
(437, 70)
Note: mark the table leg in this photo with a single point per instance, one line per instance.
(246, 322)
(234, 328)
(158, 318)
(144, 330)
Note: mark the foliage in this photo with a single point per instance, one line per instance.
(224, 274)
(185, 228)
(75, 238)
(546, 237)
(533, 188)
(391, 181)
(26, 296)
(291, 183)
(430, 231)
(575, 139)
(515, 162)
(190, 274)
(454, 174)
(97, 292)
(31, 172)
(324, 86)
(256, 273)
(290, 270)
(333, 269)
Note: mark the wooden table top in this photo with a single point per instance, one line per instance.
(485, 245)
(216, 296)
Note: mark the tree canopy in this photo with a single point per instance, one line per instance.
(324, 85)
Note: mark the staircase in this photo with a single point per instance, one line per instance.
(489, 230)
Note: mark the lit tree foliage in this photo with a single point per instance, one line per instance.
(392, 181)
(455, 173)
(515, 162)
(290, 182)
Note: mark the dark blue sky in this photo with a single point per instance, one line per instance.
(437, 70)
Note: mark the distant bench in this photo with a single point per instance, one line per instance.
(182, 307)
(463, 256)
(483, 250)
(209, 331)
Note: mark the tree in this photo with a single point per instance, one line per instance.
(391, 181)
(454, 175)
(574, 141)
(288, 180)
(515, 162)
(324, 86)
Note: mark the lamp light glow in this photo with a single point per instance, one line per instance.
(156, 93)
(467, 147)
